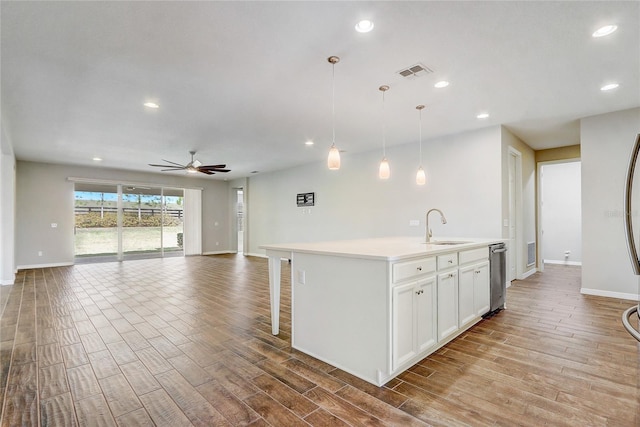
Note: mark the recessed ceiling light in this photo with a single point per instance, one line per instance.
(97, 159)
(604, 31)
(308, 143)
(482, 115)
(151, 105)
(441, 84)
(364, 26)
(609, 86)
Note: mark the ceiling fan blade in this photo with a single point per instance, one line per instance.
(171, 170)
(206, 172)
(214, 169)
(173, 163)
(213, 166)
(167, 166)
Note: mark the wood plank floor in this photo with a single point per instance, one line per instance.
(186, 341)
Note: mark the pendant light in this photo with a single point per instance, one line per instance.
(421, 177)
(383, 171)
(333, 161)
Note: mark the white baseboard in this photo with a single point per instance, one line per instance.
(258, 255)
(218, 252)
(609, 294)
(528, 273)
(53, 264)
(8, 282)
(555, 261)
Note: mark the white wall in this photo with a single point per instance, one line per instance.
(463, 180)
(527, 202)
(7, 208)
(606, 143)
(45, 196)
(561, 216)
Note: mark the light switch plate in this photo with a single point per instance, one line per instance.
(301, 277)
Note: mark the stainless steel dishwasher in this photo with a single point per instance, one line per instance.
(497, 276)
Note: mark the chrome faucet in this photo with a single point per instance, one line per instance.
(442, 218)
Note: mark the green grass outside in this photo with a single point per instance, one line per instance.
(102, 241)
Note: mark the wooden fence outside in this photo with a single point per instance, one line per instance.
(81, 210)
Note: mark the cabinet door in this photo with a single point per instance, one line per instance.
(403, 333)
(427, 314)
(481, 291)
(447, 304)
(466, 289)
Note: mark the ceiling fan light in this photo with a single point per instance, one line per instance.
(604, 31)
(364, 26)
(421, 177)
(384, 172)
(333, 161)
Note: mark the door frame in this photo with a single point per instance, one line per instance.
(515, 215)
(540, 202)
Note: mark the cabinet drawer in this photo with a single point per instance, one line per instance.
(410, 269)
(479, 254)
(448, 260)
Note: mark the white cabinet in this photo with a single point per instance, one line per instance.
(466, 286)
(473, 298)
(414, 312)
(481, 289)
(447, 304)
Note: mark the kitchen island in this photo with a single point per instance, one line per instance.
(374, 307)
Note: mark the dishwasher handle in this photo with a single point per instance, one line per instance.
(498, 251)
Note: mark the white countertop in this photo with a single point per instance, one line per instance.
(383, 248)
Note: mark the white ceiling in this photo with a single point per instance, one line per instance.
(247, 83)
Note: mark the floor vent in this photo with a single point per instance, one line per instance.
(416, 70)
(531, 253)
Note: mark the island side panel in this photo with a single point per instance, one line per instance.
(340, 313)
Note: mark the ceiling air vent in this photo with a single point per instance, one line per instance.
(416, 70)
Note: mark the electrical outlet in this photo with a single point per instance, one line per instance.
(301, 277)
(414, 223)
(54, 225)
(39, 253)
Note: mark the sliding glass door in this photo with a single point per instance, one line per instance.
(141, 222)
(96, 221)
(173, 222)
(115, 222)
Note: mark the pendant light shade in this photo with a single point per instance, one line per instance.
(421, 176)
(333, 161)
(384, 172)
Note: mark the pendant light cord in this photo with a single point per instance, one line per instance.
(384, 128)
(420, 126)
(333, 100)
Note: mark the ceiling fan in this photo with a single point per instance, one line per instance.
(192, 167)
